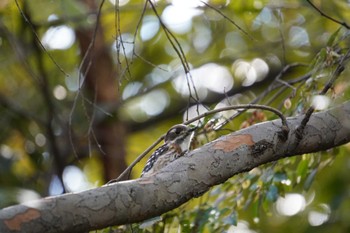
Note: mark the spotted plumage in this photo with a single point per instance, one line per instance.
(176, 142)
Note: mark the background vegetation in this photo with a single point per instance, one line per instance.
(86, 86)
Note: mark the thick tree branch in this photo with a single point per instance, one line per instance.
(185, 178)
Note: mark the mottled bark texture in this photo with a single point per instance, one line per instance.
(188, 177)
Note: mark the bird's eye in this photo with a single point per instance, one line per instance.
(171, 135)
(178, 131)
(174, 133)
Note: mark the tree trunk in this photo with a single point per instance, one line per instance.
(101, 82)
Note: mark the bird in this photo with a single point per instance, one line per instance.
(177, 142)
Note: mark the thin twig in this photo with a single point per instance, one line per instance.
(274, 85)
(230, 20)
(149, 63)
(91, 44)
(120, 43)
(179, 51)
(85, 64)
(126, 173)
(38, 39)
(285, 128)
(329, 84)
(327, 16)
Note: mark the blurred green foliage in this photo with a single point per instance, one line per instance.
(279, 32)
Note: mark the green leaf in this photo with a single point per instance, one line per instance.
(272, 193)
(310, 179)
(185, 225)
(302, 168)
(278, 177)
(331, 39)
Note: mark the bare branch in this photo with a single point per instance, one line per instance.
(230, 20)
(327, 16)
(178, 49)
(283, 134)
(285, 128)
(187, 177)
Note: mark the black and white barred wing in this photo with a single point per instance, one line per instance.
(154, 157)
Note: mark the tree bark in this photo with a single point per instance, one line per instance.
(185, 178)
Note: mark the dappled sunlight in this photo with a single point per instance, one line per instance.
(87, 86)
(6, 151)
(188, 3)
(194, 111)
(222, 116)
(131, 89)
(40, 139)
(29, 147)
(319, 215)
(72, 82)
(178, 19)
(150, 27)
(291, 204)
(248, 73)
(120, 2)
(159, 74)
(125, 44)
(74, 179)
(202, 38)
(242, 227)
(320, 102)
(230, 101)
(55, 187)
(61, 37)
(298, 37)
(209, 77)
(25, 195)
(235, 43)
(146, 106)
(185, 48)
(268, 23)
(60, 92)
(154, 103)
(178, 16)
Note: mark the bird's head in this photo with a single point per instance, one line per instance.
(180, 135)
